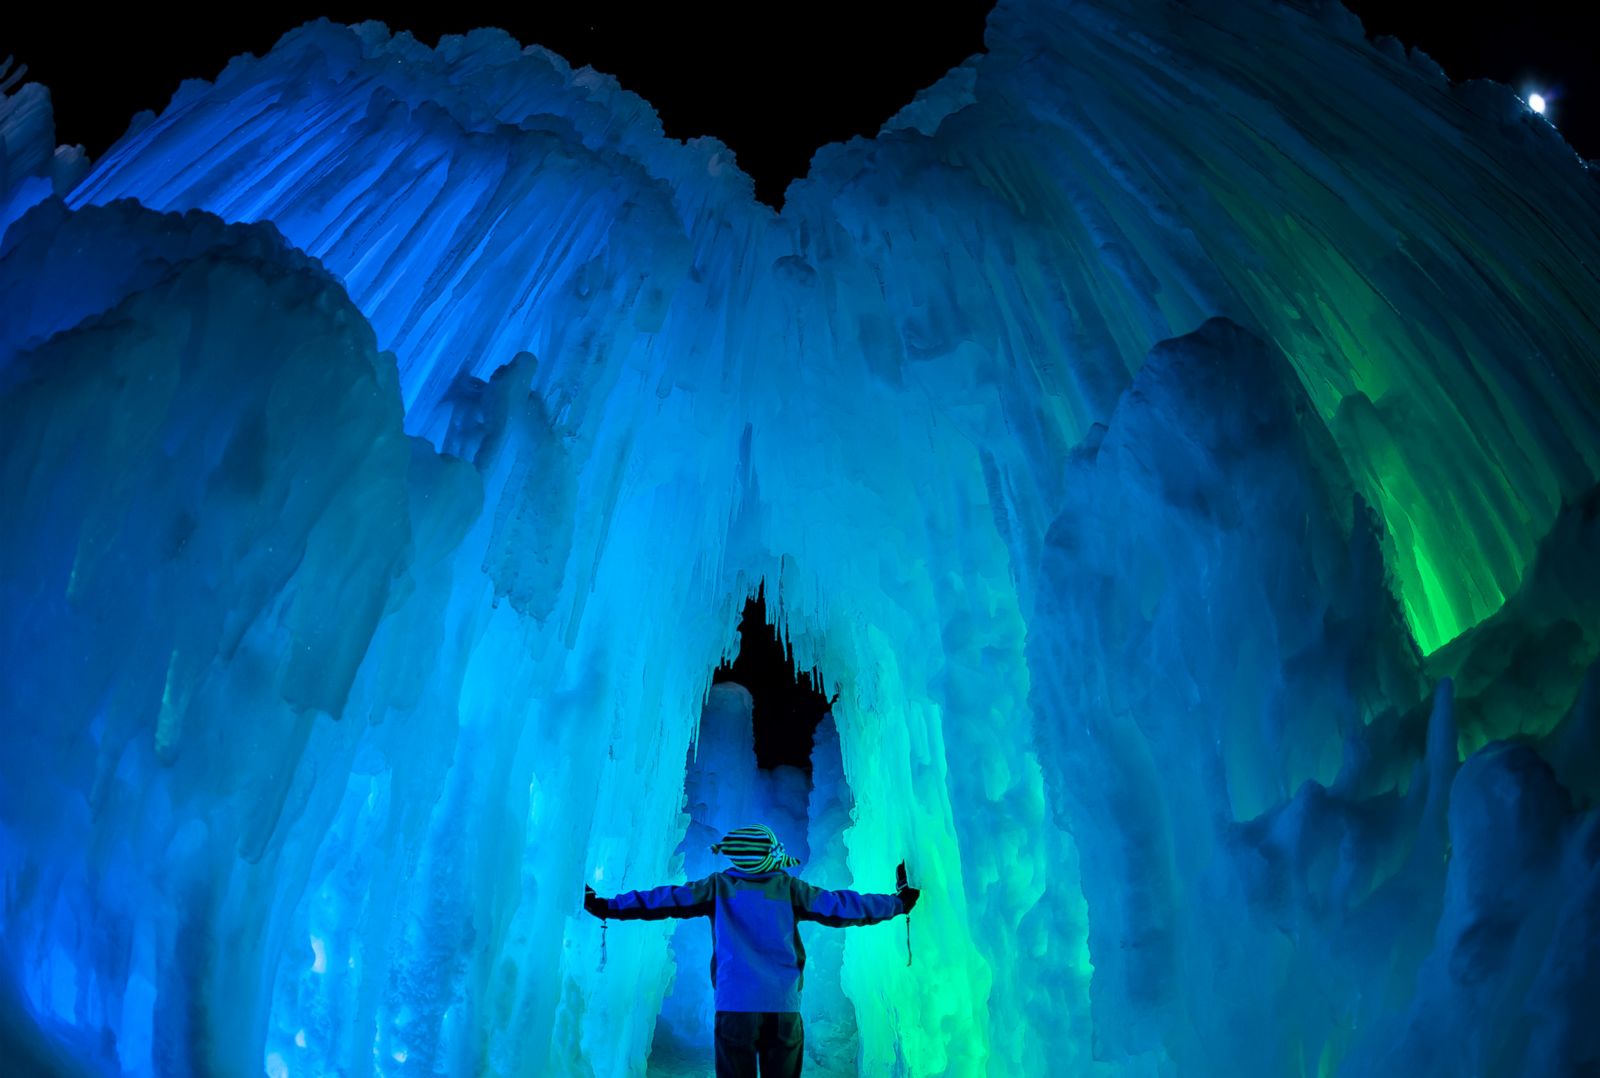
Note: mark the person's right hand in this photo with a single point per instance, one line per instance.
(594, 904)
(908, 896)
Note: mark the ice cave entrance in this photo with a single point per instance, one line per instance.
(766, 751)
(787, 705)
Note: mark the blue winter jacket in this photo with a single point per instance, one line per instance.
(757, 959)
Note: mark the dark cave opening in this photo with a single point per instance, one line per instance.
(789, 703)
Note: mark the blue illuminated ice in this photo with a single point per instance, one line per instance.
(1176, 435)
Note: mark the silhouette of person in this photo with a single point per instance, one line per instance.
(757, 959)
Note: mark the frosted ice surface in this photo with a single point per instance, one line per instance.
(32, 166)
(1184, 464)
(949, 95)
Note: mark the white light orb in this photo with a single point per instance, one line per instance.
(1536, 103)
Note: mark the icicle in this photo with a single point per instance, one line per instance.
(901, 882)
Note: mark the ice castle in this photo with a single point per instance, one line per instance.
(1176, 434)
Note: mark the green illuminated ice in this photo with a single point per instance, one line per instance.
(1176, 436)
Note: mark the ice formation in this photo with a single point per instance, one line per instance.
(1176, 434)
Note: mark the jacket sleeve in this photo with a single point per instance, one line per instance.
(695, 899)
(841, 909)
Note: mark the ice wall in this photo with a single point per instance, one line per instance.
(1175, 434)
(32, 166)
(342, 776)
(832, 1043)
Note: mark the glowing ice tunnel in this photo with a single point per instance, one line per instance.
(1176, 434)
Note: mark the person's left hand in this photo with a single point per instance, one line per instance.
(909, 896)
(593, 903)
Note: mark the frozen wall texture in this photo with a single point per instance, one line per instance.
(1176, 434)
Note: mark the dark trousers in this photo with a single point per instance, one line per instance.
(777, 1039)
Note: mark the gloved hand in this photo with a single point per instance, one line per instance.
(594, 904)
(908, 896)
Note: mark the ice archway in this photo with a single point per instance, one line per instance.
(1138, 431)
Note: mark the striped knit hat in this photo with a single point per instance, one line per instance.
(755, 849)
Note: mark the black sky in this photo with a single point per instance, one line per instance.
(833, 71)
(1547, 46)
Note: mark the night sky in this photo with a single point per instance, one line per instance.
(774, 97)
(839, 71)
